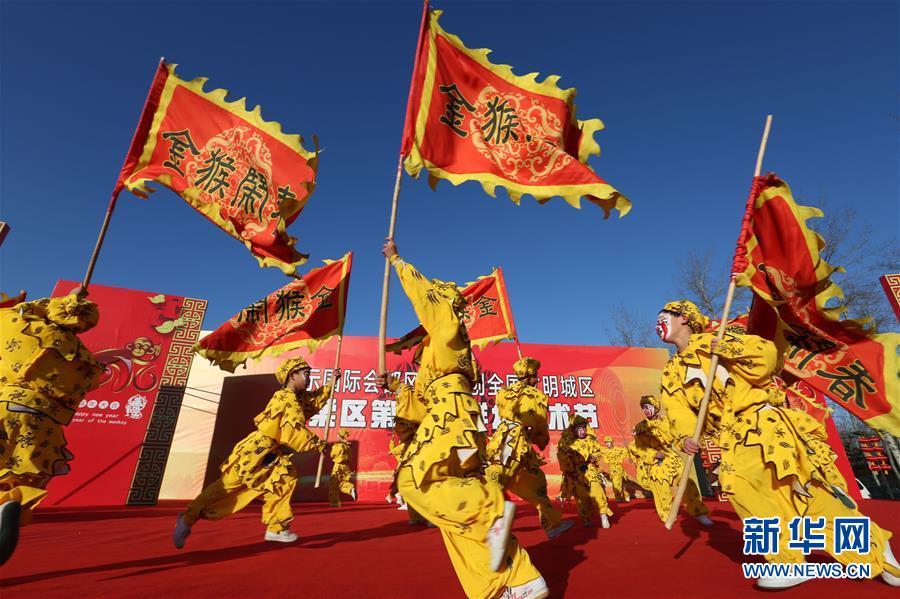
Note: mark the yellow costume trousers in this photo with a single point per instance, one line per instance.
(464, 508)
(590, 497)
(617, 475)
(339, 482)
(229, 495)
(757, 492)
(664, 493)
(531, 485)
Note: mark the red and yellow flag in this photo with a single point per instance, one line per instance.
(471, 120)
(488, 317)
(306, 312)
(8, 302)
(243, 173)
(779, 257)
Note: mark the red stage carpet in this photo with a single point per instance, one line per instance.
(368, 550)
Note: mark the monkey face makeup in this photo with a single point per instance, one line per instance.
(664, 325)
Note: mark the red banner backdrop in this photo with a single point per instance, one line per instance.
(601, 383)
(121, 433)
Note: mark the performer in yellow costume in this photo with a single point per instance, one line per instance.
(45, 371)
(440, 476)
(615, 458)
(662, 464)
(262, 463)
(769, 466)
(341, 480)
(514, 463)
(578, 453)
(404, 431)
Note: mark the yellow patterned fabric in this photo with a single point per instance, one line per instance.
(615, 459)
(660, 475)
(261, 463)
(578, 463)
(774, 459)
(45, 372)
(287, 367)
(514, 463)
(440, 477)
(525, 367)
(341, 480)
(696, 320)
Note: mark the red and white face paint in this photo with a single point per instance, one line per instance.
(664, 325)
(649, 410)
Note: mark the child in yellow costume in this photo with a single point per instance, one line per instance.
(615, 458)
(341, 480)
(514, 463)
(45, 372)
(262, 463)
(440, 476)
(662, 464)
(404, 431)
(769, 466)
(578, 453)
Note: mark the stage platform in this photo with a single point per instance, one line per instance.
(368, 550)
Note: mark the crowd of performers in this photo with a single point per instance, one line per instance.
(450, 474)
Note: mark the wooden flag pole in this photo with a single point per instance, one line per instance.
(714, 363)
(100, 238)
(382, 325)
(337, 364)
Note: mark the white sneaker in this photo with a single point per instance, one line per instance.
(536, 589)
(886, 576)
(10, 515)
(353, 493)
(498, 535)
(604, 521)
(704, 520)
(285, 536)
(388, 499)
(780, 582)
(403, 507)
(181, 532)
(559, 529)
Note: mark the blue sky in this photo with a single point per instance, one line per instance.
(683, 88)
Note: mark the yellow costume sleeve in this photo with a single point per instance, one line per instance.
(749, 357)
(434, 311)
(314, 401)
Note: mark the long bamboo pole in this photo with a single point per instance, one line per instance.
(337, 364)
(714, 363)
(385, 285)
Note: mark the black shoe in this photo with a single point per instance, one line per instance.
(10, 513)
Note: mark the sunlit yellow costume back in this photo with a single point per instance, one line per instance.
(578, 461)
(440, 473)
(661, 475)
(260, 465)
(772, 456)
(45, 371)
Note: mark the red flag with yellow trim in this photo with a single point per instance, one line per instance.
(779, 257)
(470, 120)
(306, 312)
(488, 317)
(241, 172)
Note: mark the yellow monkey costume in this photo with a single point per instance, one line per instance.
(341, 480)
(440, 476)
(615, 459)
(578, 461)
(661, 475)
(772, 455)
(45, 372)
(260, 464)
(514, 463)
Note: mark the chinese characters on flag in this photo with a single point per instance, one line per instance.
(488, 317)
(779, 258)
(471, 120)
(240, 171)
(304, 313)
